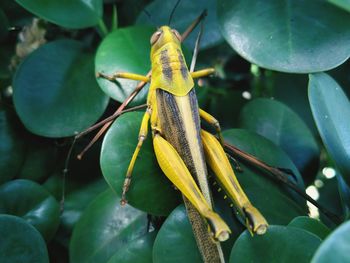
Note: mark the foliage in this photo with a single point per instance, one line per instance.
(49, 93)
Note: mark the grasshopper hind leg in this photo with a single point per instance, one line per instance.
(217, 160)
(177, 172)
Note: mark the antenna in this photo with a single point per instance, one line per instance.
(173, 11)
(149, 17)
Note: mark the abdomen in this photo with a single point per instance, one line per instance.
(180, 124)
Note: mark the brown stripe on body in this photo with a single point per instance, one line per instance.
(172, 125)
(174, 130)
(183, 68)
(165, 65)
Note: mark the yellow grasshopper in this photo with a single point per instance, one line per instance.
(182, 148)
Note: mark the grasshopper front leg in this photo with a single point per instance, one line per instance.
(217, 160)
(175, 169)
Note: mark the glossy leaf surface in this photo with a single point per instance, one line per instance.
(336, 247)
(105, 229)
(57, 95)
(66, 13)
(312, 225)
(282, 126)
(330, 106)
(150, 190)
(124, 50)
(20, 242)
(279, 244)
(33, 203)
(289, 36)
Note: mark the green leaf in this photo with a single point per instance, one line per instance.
(12, 150)
(106, 229)
(296, 97)
(124, 50)
(331, 199)
(33, 203)
(291, 36)
(281, 125)
(336, 246)
(279, 244)
(265, 194)
(225, 106)
(344, 192)
(20, 242)
(40, 159)
(55, 93)
(82, 13)
(184, 14)
(312, 225)
(175, 241)
(54, 185)
(75, 203)
(139, 250)
(345, 4)
(150, 190)
(329, 106)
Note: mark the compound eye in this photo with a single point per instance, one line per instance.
(155, 37)
(177, 34)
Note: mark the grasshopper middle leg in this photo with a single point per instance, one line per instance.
(142, 136)
(123, 75)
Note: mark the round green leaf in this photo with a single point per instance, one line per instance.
(70, 14)
(12, 150)
(274, 201)
(106, 229)
(74, 206)
(345, 4)
(55, 93)
(291, 36)
(33, 203)
(336, 246)
(54, 185)
(279, 244)
(281, 125)
(139, 251)
(312, 225)
(150, 190)
(175, 240)
(296, 97)
(329, 107)
(20, 242)
(76, 201)
(124, 50)
(184, 14)
(40, 158)
(176, 232)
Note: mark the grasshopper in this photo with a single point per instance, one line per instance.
(182, 148)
